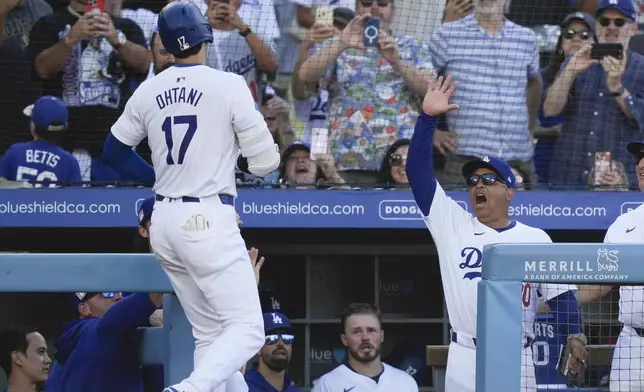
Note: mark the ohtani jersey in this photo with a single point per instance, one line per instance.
(460, 238)
(344, 379)
(191, 115)
(629, 228)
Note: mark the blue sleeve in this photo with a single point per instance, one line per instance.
(123, 159)
(420, 162)
(131, 312)
(565, 310)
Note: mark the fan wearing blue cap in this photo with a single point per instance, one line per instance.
(42, 162)
(460, 236)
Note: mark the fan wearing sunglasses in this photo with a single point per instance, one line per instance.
(274, 357)
(460, 237)
(392, 169)
(602, 99)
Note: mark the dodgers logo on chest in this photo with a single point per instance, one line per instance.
(472, 259)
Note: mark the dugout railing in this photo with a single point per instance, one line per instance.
(507, 266)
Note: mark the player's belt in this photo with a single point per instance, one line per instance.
(471, 342)
(225, 199)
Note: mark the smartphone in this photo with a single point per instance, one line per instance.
(96, 6)
(599, 51)
(324, 16)
(603, 164)
(371, 32)
(319, 142)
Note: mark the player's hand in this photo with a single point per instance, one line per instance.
(579, 355)
(156, 319)
(439, 93)
(257, 265)
(82, 29)
(388, 48)
(353, 34)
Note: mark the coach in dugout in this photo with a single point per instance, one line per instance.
(99, 351)
(364, 370)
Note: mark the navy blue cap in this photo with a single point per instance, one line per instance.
(626, 7)
(298, 145)
(145, 211)
(48, 113)
(636, 148)
(274, 321)
(501, 167)
(580, 17)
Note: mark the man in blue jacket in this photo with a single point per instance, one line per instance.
(99, 351)
(274, 357)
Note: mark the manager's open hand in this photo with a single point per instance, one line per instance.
(439, 92)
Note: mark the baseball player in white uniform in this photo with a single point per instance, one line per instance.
(196, 120)
(627, 369)
(460, 237)
(363, 371)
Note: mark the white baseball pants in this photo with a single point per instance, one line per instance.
(461, 369)
(201, 249)
(627, 368)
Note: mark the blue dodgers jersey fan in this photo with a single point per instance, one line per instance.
(42, 162)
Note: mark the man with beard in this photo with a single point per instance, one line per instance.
(364, 371)
(161, 58)
(274, 357)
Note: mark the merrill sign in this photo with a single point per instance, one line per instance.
(605, 267)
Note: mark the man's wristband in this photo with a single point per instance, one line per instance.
(618, 93)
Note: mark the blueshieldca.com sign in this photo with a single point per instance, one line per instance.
(603, 267)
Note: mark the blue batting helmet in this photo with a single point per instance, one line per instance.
(182, 26)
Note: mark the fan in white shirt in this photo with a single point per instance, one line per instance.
(364, 371)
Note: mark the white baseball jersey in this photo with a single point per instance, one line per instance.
(190, 115)
(343, 379)
(629, 228)
(460, 238)
(230, 52)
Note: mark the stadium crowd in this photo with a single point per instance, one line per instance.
(341, 114)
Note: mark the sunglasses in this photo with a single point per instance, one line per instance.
(109, 294)
(286, 338)
(369, 3)
(397, 159)
(487, 178)
(618, 22)
(583, 34)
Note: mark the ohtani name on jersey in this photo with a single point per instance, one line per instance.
(179, 95)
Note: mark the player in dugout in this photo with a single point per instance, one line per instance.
(460, 237)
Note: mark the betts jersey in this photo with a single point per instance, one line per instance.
(40, 163)
(312, 112)
(343, 378)
(189, 114)
(629, 228)
(459, 239)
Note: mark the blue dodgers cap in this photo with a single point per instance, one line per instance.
(580, 17)
(626, 7)
(145, 211)
(295, 146)
(48, 113)
(274, 321)
(501, 167)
